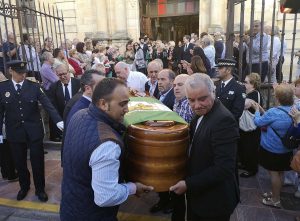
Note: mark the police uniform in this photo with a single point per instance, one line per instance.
(233, 94)
(24, 127)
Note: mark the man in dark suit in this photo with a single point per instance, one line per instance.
(60, 93)
(165, 81)
(144, 45)
(229, 91)
(151, 86)
(82, 99)
(166, 78)
(19, 100)
(210, 185)
(186, 49)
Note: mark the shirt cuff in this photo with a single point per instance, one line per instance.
(131, 188)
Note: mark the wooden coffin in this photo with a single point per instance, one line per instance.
(157, 153)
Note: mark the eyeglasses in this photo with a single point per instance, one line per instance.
(61, 74)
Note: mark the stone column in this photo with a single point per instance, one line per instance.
(204, 14)
(102, 19)
(216, 12)
(120, 19)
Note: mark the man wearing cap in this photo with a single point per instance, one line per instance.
(24, 128)
(229, 91)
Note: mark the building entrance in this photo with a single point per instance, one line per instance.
(169, 20)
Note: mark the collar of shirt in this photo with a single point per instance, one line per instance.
(15, 83)
(226, 82)
(152, 85)
(69, 88)
(165, 94)
(179, 102)
(88, 98)
(198, 122)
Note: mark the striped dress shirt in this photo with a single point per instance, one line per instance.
(105, 164)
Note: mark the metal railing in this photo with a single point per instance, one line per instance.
(35, 20)
(250, 44)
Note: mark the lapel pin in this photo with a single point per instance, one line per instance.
(7, 94)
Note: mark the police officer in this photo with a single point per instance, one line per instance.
(24, 128)
(229, 91)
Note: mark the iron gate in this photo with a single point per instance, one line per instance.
(230, 36)
(42, 22)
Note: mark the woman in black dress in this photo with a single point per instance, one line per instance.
(249, 140)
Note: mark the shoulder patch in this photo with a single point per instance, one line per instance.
(32, 79)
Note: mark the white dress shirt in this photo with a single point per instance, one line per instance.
(226, 82)
(31, 57)
(105, 166)
(69, 88)
(15, 84)
(137, 80)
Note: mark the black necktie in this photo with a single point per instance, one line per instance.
(222, 86)
(18, 88)
(67, 94)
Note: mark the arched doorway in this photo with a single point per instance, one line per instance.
(169, 19)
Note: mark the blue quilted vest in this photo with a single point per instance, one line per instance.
(86, 131)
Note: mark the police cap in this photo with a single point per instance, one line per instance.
(18, 66)
(226, 63)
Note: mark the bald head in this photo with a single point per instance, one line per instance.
(179, 88)
(122, 70)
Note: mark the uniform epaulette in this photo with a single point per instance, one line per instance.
(241, 83)
(32, 79)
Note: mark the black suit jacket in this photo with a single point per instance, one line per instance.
(233, 97)
(169, 99)
(185, 54)
(212, 189)
(57, 97)
(22, 114)
(156, 91)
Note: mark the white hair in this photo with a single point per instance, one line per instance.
(197, 80)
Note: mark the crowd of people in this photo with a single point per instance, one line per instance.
(85, 87)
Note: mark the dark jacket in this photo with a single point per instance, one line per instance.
(22, 114)
(212, 189)
(82, 103)
(56, 94)
(88, 129)
(169, 99)
(185, 53)
(156, 91)
(233, 97)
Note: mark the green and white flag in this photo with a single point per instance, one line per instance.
(143, 109)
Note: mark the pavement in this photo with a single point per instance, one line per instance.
(137, 209)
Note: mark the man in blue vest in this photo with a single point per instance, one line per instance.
(93, 186)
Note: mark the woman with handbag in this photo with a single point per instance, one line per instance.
(250, 135)
(273, 155)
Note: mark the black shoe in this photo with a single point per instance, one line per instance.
(56, 139)
(13, 179)
(42, 196)
(157, 207)
(22, 194)
(247, 174)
